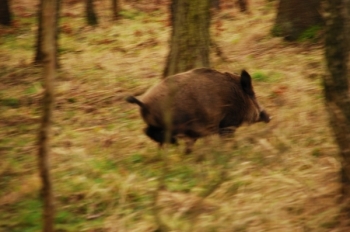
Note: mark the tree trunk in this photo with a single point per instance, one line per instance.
(215, 4)
(243, 5)
(115, 9)
(190, 38)
(39, 56)
(5, 13)
(38, 59)
(49, 9)
(294, 17)
(337, 86)
(91, 16)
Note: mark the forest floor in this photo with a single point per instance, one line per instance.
(280, 177)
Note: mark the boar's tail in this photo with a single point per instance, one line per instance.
(134, 100)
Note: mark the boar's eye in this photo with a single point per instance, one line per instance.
(264, 117)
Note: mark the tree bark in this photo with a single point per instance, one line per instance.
(48, 48)
(190, 38)
(295, 17)
(337, 86)
(39, 56)
(5, 13)
(215, 4)
(91, 16)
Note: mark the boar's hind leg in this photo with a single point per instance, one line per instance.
(158, 135)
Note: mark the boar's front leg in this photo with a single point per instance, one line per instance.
(226, 135)
(227, 132)
(158, 135)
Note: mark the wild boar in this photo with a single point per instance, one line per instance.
(198, 103)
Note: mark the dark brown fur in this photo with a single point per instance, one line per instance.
(197, 103)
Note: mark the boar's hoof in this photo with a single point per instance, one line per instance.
(188, 150)
(227, 132)
(189, 145)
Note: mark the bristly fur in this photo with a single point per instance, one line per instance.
(201, 102)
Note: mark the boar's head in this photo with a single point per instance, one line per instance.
(260, 115)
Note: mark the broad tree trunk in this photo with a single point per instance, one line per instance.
(48, 47)
(39, 56)
(190, 38)
(5, 13)
(295, 17)
(91, 16)
(337, 86)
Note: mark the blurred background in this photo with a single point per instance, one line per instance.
(108, 176)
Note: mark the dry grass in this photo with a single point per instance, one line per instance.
(281, 176)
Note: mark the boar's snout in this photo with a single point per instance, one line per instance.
(264, 117)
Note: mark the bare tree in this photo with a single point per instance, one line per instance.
(5, 13)
(190, 38)
(337, 86)
(91, 16)
(48, 48)
(295, 17)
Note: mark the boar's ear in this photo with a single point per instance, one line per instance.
(246, 83)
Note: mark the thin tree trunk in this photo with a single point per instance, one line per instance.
(49, 8)
(39, 56)
(91, 16)
(116, 9)
(190, 38)
(38, 59)
(337, 86)
(5, 13)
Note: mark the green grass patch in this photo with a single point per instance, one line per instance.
(10, 102)
(23, 216)
(18, 43)
(261, 76)
(276, 31)
(131, 14)
(34, 88)
(310, 34)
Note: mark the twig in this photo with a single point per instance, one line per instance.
(162, 153)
